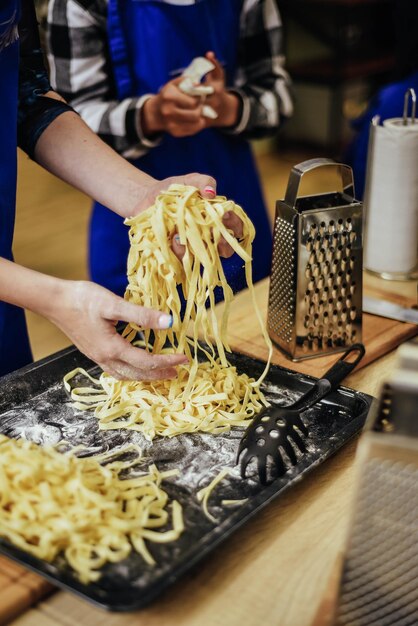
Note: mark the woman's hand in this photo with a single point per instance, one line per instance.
(231, 221)
(223, 102)
(205, 184)
(207, 187)
(181, 115)
(173, 112)
(86, 313)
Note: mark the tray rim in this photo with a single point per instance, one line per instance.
(219, 533)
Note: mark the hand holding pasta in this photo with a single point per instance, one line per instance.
(207, 187)
(231, 221)
(87, 313)
(87, 509)
(208, 394)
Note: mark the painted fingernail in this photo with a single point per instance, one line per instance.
(165, 321)
(177, 238)
(209, 191)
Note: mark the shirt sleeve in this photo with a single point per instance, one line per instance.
(80, 70)
(35, 112)
(261, 80)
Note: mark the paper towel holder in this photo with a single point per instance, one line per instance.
(411, 274)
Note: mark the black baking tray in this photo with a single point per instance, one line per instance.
(34, 405)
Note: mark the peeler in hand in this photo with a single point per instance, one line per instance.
(278, 431)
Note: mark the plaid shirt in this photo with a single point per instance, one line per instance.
(81, 72)
(35, 112)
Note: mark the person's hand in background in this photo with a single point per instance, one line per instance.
(225, 103)
(181, 115)
(173, 112)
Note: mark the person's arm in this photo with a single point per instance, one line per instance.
(60, 141)
(86, 312)
(51, 133)
(261, 82)
(80, 71)
(35, 112)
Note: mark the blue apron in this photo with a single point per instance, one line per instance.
(388, 103)
(14, 344)
(149, 41)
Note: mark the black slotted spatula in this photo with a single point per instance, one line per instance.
(278, 431)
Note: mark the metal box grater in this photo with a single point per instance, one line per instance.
(315, 297)
(378, 585)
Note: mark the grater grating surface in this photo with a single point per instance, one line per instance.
(329, 311)
(281, 297)
(378, 584)
(379, 579)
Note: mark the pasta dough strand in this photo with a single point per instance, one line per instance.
(209, 396)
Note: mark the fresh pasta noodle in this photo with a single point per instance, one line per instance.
(53, 503)
(209, 395)
(220, 399)
(204, 494)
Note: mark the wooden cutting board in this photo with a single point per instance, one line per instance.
(380, 335)
(19, 590)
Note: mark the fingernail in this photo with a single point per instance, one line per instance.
(228, 214)
(165, 321)
(177, 238)
(209, 191)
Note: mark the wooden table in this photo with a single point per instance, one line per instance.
(274, 570)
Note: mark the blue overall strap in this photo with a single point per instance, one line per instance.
(120, 56)
(150, 41)
(14, 345)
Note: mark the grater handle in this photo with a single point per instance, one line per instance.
(307, 166)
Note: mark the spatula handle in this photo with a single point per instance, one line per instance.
(343, 367)
(334, 376)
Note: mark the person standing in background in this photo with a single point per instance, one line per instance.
(119, 63)
(41, 123)
(389, 100)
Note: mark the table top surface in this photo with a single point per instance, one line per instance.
(275, 569)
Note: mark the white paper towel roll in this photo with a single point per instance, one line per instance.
(391, 199)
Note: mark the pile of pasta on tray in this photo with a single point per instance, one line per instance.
(53, 503)
(208, 395)
(98, 509)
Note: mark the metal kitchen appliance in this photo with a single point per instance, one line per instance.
(315, 298)
(379, 579)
